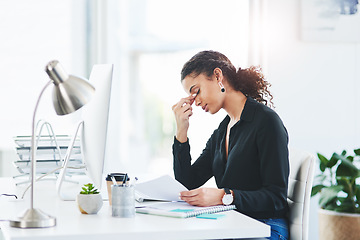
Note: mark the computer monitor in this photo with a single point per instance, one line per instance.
(93, 131)
(95, 123)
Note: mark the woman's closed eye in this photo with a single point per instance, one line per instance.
(196, 93)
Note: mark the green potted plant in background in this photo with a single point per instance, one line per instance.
(339, 201)
(89, 200)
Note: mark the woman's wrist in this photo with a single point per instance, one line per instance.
(181, 137)
(222, 193)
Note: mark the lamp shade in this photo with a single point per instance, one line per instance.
(70, 92)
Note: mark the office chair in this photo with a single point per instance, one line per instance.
(299, 191)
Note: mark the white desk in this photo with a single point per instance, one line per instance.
(71, 224)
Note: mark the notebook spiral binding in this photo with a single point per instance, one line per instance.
(209, 210)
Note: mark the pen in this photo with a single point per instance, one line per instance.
(113, 180)
(125, 179)
(132, 183)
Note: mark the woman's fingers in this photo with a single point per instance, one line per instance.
(203, 196)
(183, 102)
(182, 111)
(190, 197)
(190, 193)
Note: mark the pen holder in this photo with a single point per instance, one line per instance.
(119, 177)
(123, 201)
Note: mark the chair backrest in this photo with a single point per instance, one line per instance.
(299, 191)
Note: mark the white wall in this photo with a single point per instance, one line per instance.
(315, 86)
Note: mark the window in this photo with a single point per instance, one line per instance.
(149, 41)
(34, 33)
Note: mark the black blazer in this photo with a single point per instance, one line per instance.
(257, 167)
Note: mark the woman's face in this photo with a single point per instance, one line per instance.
(207, 91)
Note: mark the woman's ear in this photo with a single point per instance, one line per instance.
(218, 74)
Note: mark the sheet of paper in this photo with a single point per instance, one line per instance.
(163, 188)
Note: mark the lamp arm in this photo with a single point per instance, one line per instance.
(33, 149)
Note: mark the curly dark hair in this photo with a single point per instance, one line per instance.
(250, 81)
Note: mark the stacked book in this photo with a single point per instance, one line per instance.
(50, 154)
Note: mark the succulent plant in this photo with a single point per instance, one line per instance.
(89, 189)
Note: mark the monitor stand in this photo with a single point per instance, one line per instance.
(69, 194)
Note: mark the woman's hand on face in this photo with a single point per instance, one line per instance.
(203, 197)
(183, 111)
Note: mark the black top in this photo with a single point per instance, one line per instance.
(257, 167)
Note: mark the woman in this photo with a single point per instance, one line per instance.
(247, 154)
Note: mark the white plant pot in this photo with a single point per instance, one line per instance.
(89, 203)
(338, 226)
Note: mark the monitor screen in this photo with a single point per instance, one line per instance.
(93, 133)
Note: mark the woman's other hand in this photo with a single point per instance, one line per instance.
(203, 197)
(183, 111)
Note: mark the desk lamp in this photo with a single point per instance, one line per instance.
(69, 94)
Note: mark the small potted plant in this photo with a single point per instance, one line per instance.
(339, 188)
(89, 200)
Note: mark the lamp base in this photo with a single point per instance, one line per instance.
(34, 218)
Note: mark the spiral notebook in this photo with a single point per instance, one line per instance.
(181, 209)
